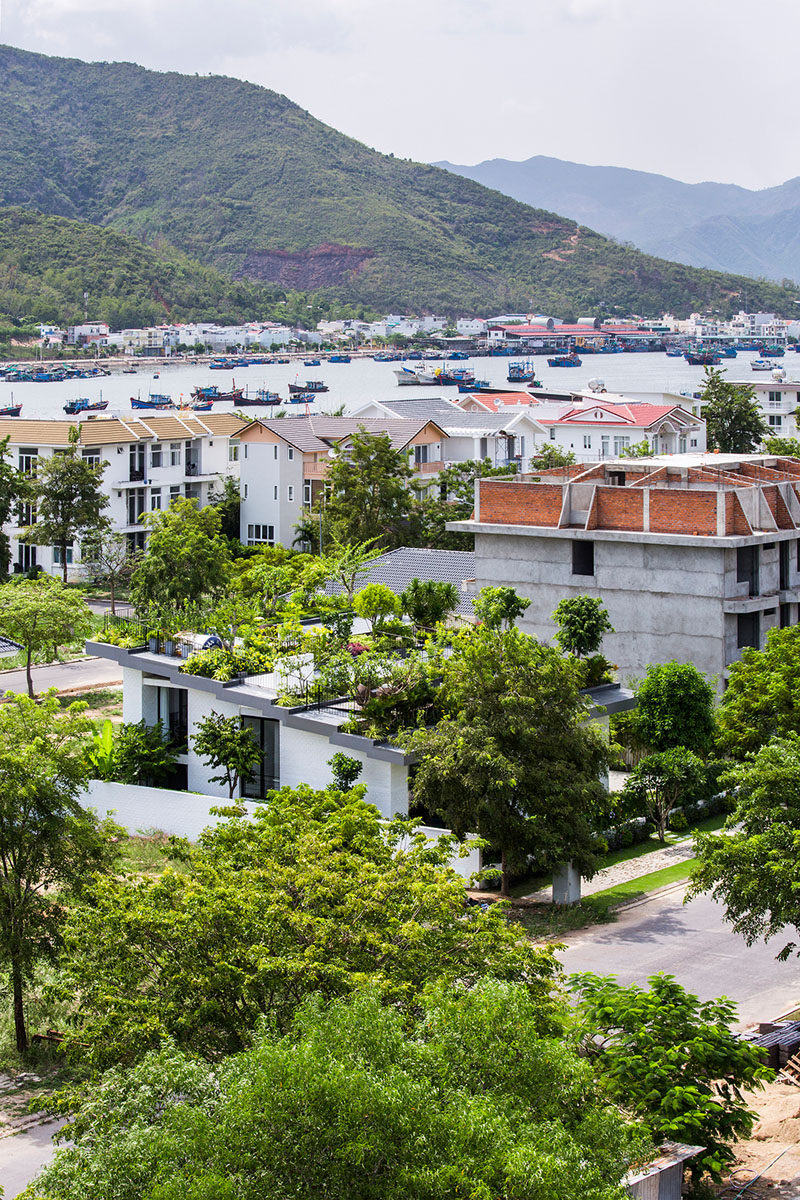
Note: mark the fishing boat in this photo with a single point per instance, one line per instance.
(281, 361)
(82, 404)
(11, 410)
(565, 360)
(310, 385)
(311, 362)
(259, 398)
(725, 351)
(476, 385)
(772, 351)
(340, 358)
(702, 358)
(675, 352)
(457, 356)
(196, 406)
(212, 393)
(128, 371)
(762, 364)
(302, 397)
(456, 375)
(153, 400)
(521, 372)
(408, 377)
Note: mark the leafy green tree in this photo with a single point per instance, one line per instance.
(13, 488)
(582, 621)
(512, 759)
(376, 602)
(224, 742)
(368, 493)
(41, 614)
(107, 556)
(345, 562)
(69, 501)
(314, 895)
(49, 845)
(143, 754)
(785, 447)
(451, 497)
(427, 602)
(751, 866)
(353, 1104)
(671, 1060)
(675, 707)
(344, 771)
(762, 699)
(227, 500)
(734, 423)
(499, 607)
(642, 449)
(661, 781)
(549, 456)
(186, 559)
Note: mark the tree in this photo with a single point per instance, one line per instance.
(512, 759)
(225, 742)
(185, 561)
(548, 456)
(751, 866)
(344, 771)
(142, 754)
(345, 562)
(40, 614)
(581, 621)
(369, 498)
(672, 1061)
(12, 490)
(226, 499)
(352, 1102)
(48, 843)
(642, 449)
(660, 781)
(734, 423)
(313, 895)
(762, 699)
(376, 602)
(69, 501)
(675, 707)
(451, 497)
(427, 602)
(785, 447)
(107, 556)
(499, 607)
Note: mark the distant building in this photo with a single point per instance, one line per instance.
(696, 557)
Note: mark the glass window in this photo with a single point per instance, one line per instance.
(307, 491)
(174, 454)
(57, 560)
(91, 455)
(267, 774)
(233, 451)
(290, 453)
(260, 534)
(155, 454)
(274, 451)
(174, 492)
(27, 460)
(582, 558)
(587, 441)
(747, 631)
(155, 499)
(275, 491)
(290, 493)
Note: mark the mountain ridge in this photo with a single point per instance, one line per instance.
(246, 181)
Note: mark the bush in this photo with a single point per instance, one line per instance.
(225, 665)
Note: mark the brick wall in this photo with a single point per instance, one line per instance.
(520, 503)
(778, 508)
(683, 511)
(736, 523)
(619, 508)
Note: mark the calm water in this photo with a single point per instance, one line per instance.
(352, 384)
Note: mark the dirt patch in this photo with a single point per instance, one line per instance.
(326, 265)
(773, 1148)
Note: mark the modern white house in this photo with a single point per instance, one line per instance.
(150, 461)
(696, 557)
(283, 464)
(778, 398)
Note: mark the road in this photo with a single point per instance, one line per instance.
(693, 943)
(23, 1155)
(84, 673)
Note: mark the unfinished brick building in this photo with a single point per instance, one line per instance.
(695, 557)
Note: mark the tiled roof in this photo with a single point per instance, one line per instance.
(109, 431)
(8, 647)
(397, 568)
(320, 433)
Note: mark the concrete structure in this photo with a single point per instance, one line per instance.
(150, 461)
(662, 1179)
(284, 462)
(695, 557)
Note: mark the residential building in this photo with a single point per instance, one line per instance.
(778, 398)
(91, 333)
(283, 464)
(696, 557)
(150, 461)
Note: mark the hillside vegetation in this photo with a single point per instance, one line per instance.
(243, 179)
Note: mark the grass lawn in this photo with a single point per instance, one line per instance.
(142, 854)
(104, 703)
(646, 883)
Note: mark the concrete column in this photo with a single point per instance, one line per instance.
(720, 513)
(645, 510)
(566, 885)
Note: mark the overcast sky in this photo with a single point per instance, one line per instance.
(696, 89)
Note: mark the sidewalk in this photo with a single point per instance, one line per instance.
(632, 868)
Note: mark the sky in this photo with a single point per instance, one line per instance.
(695, 89)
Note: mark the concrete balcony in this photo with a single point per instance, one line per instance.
(429, 468)
(315, 470)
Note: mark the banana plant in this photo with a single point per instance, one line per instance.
(102, 755)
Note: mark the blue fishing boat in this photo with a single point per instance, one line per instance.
(154, 400)
(212, 393)
(702, 358)
(311, 362)
(772, 351)
(340, 358)
(259, 398)
(521, 372)
(302, 398)
(565, 360)
(310, 385)
(82, 404)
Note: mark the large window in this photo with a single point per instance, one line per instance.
(582, 558)
(256, 534)
(57, 555)
(747, 569)
(155, 454)
(27, 459)
(91, 456)
(747, 633)
(267, 773)
(173, 713)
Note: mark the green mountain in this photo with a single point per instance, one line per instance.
(243, 179)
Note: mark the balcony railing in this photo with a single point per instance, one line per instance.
(315, 470)
(429, 468)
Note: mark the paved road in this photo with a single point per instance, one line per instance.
(24, 1155)
(85, 673)
(693, 943)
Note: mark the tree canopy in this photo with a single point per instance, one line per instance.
(313, 895)
(69, 499)
(582, 621)
(762, 699)
(368, 497)
(734, 423)
(41, 613)
(675, 707)
(186, 558)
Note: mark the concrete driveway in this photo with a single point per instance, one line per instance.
(23, 1156)
(693, 943)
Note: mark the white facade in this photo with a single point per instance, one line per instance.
(149, 463)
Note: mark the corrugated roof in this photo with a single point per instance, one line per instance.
(397, 568)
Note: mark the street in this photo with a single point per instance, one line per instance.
(23, 1155)
(693, 943)
(84, 673)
